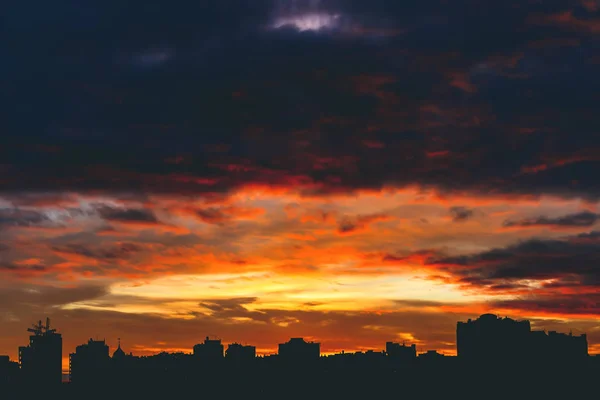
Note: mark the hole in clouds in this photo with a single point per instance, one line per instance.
(308, 22)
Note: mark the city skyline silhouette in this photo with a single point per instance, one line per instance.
(41, 329)
(499, 345)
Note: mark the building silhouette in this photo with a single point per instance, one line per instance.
(9, 371)
(90, 364)
(119, 354)
(125, 368)
(400, 354)
(493, 340)
(211, 350)
(238, 353)
(297, 350)
(41, 360)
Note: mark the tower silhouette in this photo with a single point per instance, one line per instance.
(41, 360)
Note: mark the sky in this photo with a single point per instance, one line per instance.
(351, 172)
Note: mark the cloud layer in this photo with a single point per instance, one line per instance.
(492, 101)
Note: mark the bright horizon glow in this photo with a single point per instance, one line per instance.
(267, 291)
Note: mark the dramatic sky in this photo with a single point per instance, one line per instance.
(348, 171)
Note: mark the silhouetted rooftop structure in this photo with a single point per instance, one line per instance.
(118, 353)
(41, 360)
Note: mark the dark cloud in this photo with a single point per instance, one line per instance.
(231, 308)
(119, 251)
(532, 259)
(567, 272)
(587, 304)
(41, 199)
(461, 213)
(19, 217)
(348, 224)
(13, 267)
(582, 219)
(212, 215)
(26, 298)
(459, 97)
(234, 304)
(139, 215)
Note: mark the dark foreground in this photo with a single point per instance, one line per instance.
(456, 383)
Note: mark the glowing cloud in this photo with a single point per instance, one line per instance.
(308, 22)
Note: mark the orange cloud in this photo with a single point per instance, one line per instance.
(350, 225)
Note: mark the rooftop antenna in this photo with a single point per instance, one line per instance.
(48, 330)
(37, 329)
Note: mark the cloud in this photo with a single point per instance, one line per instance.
(20, 268)
(582, 219)
(127, 215)
(26, 298)
(212, 215)
(304, 114)
(348, 225)
(19, 217)
(460, 214)
(227, 304)
(231, 308)
(119, 251)
(308, 22)
(559, 275)
(220, 215)
(532, 258)
(587, 304)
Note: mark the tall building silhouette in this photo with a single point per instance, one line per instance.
(41, 360)
(90, 363)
